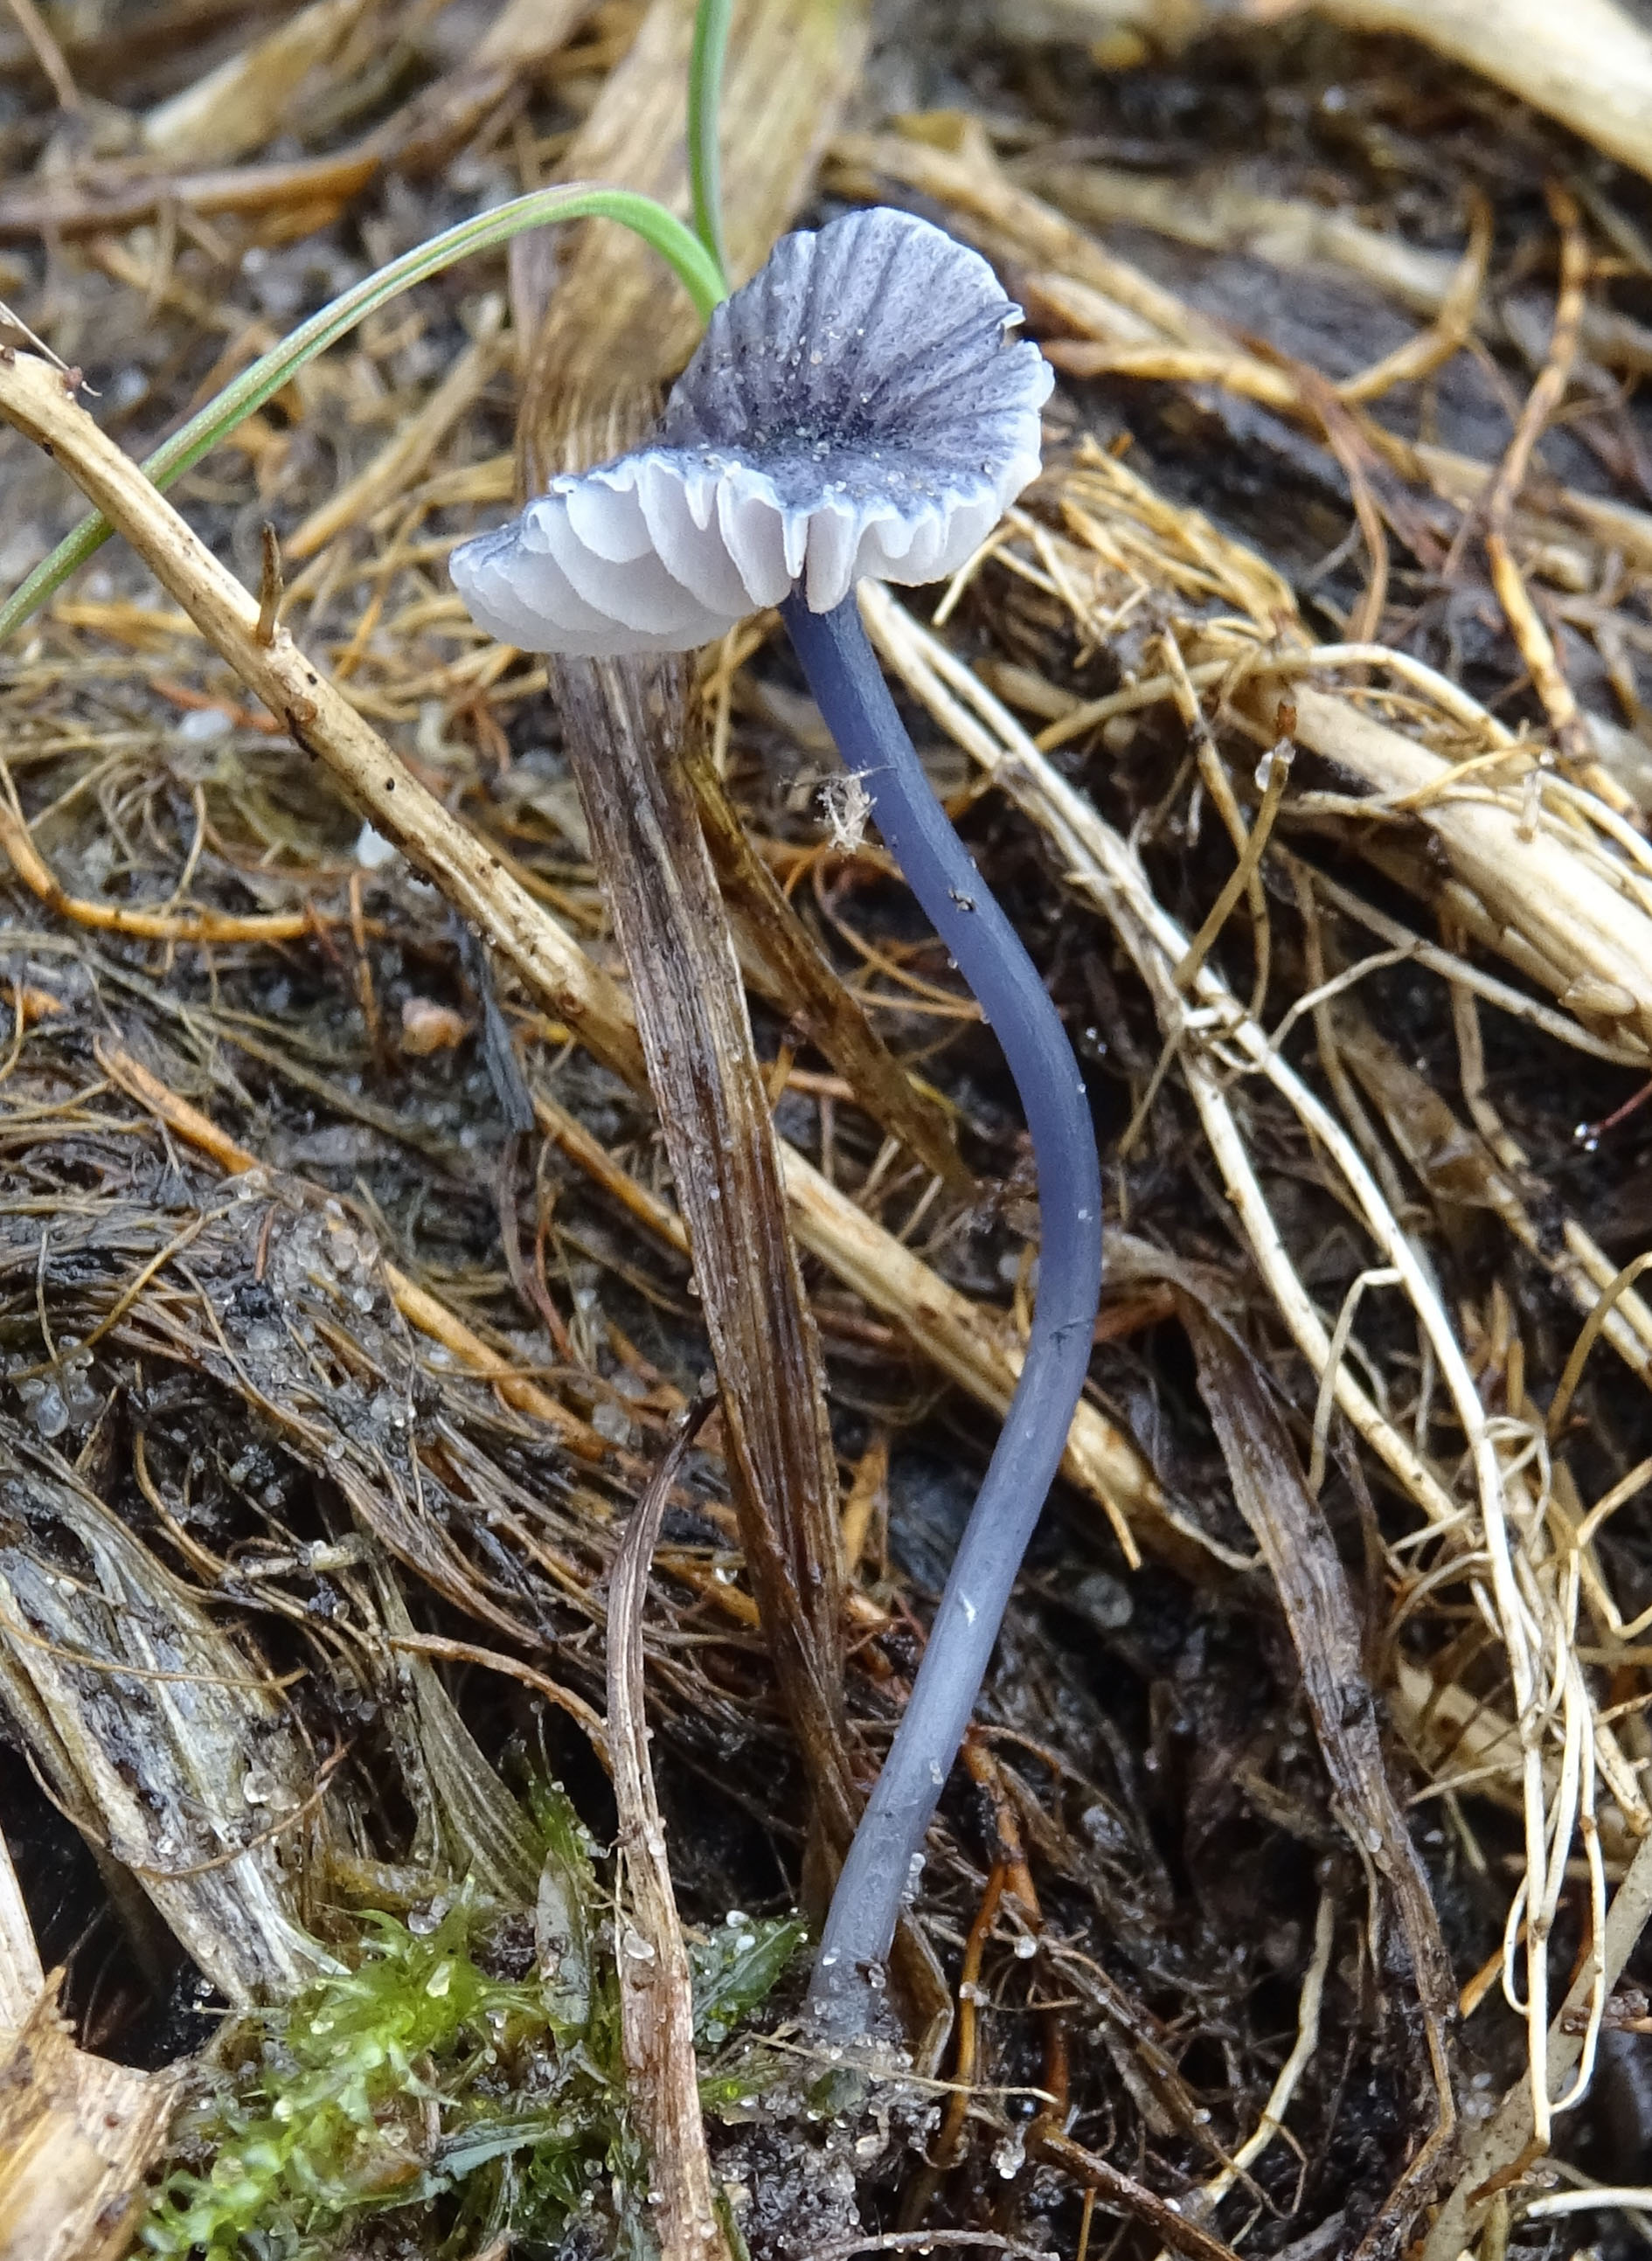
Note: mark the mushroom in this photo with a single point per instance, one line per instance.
(858, 408)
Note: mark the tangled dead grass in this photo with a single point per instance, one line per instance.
(326, 1394)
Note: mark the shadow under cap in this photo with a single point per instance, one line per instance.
(860, 408)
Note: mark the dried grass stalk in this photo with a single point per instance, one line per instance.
(1589, 64)
(1213, 214)
(1559, 894)
(625, 724)
(1510, 2138)
(77, 2140)
(21, 1977)
(317, 187)
(621, 721)
(657, 2009)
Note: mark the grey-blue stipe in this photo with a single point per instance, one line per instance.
(849, 687)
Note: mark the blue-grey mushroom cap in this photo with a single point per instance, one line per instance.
(860, 408)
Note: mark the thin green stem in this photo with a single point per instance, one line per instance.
(705, 117)
(693, 264)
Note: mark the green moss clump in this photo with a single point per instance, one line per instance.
(376, 2088)
(418, 2079)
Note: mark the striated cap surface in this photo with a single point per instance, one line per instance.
(860, 407)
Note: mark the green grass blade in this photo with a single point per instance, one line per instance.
(704, 112)
(698, 273)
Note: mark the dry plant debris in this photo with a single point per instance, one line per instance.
(1300, 713)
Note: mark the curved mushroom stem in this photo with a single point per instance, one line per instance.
(881, 1866)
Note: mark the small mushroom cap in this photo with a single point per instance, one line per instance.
(858, 408)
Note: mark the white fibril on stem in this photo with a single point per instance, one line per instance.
(861, 409)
